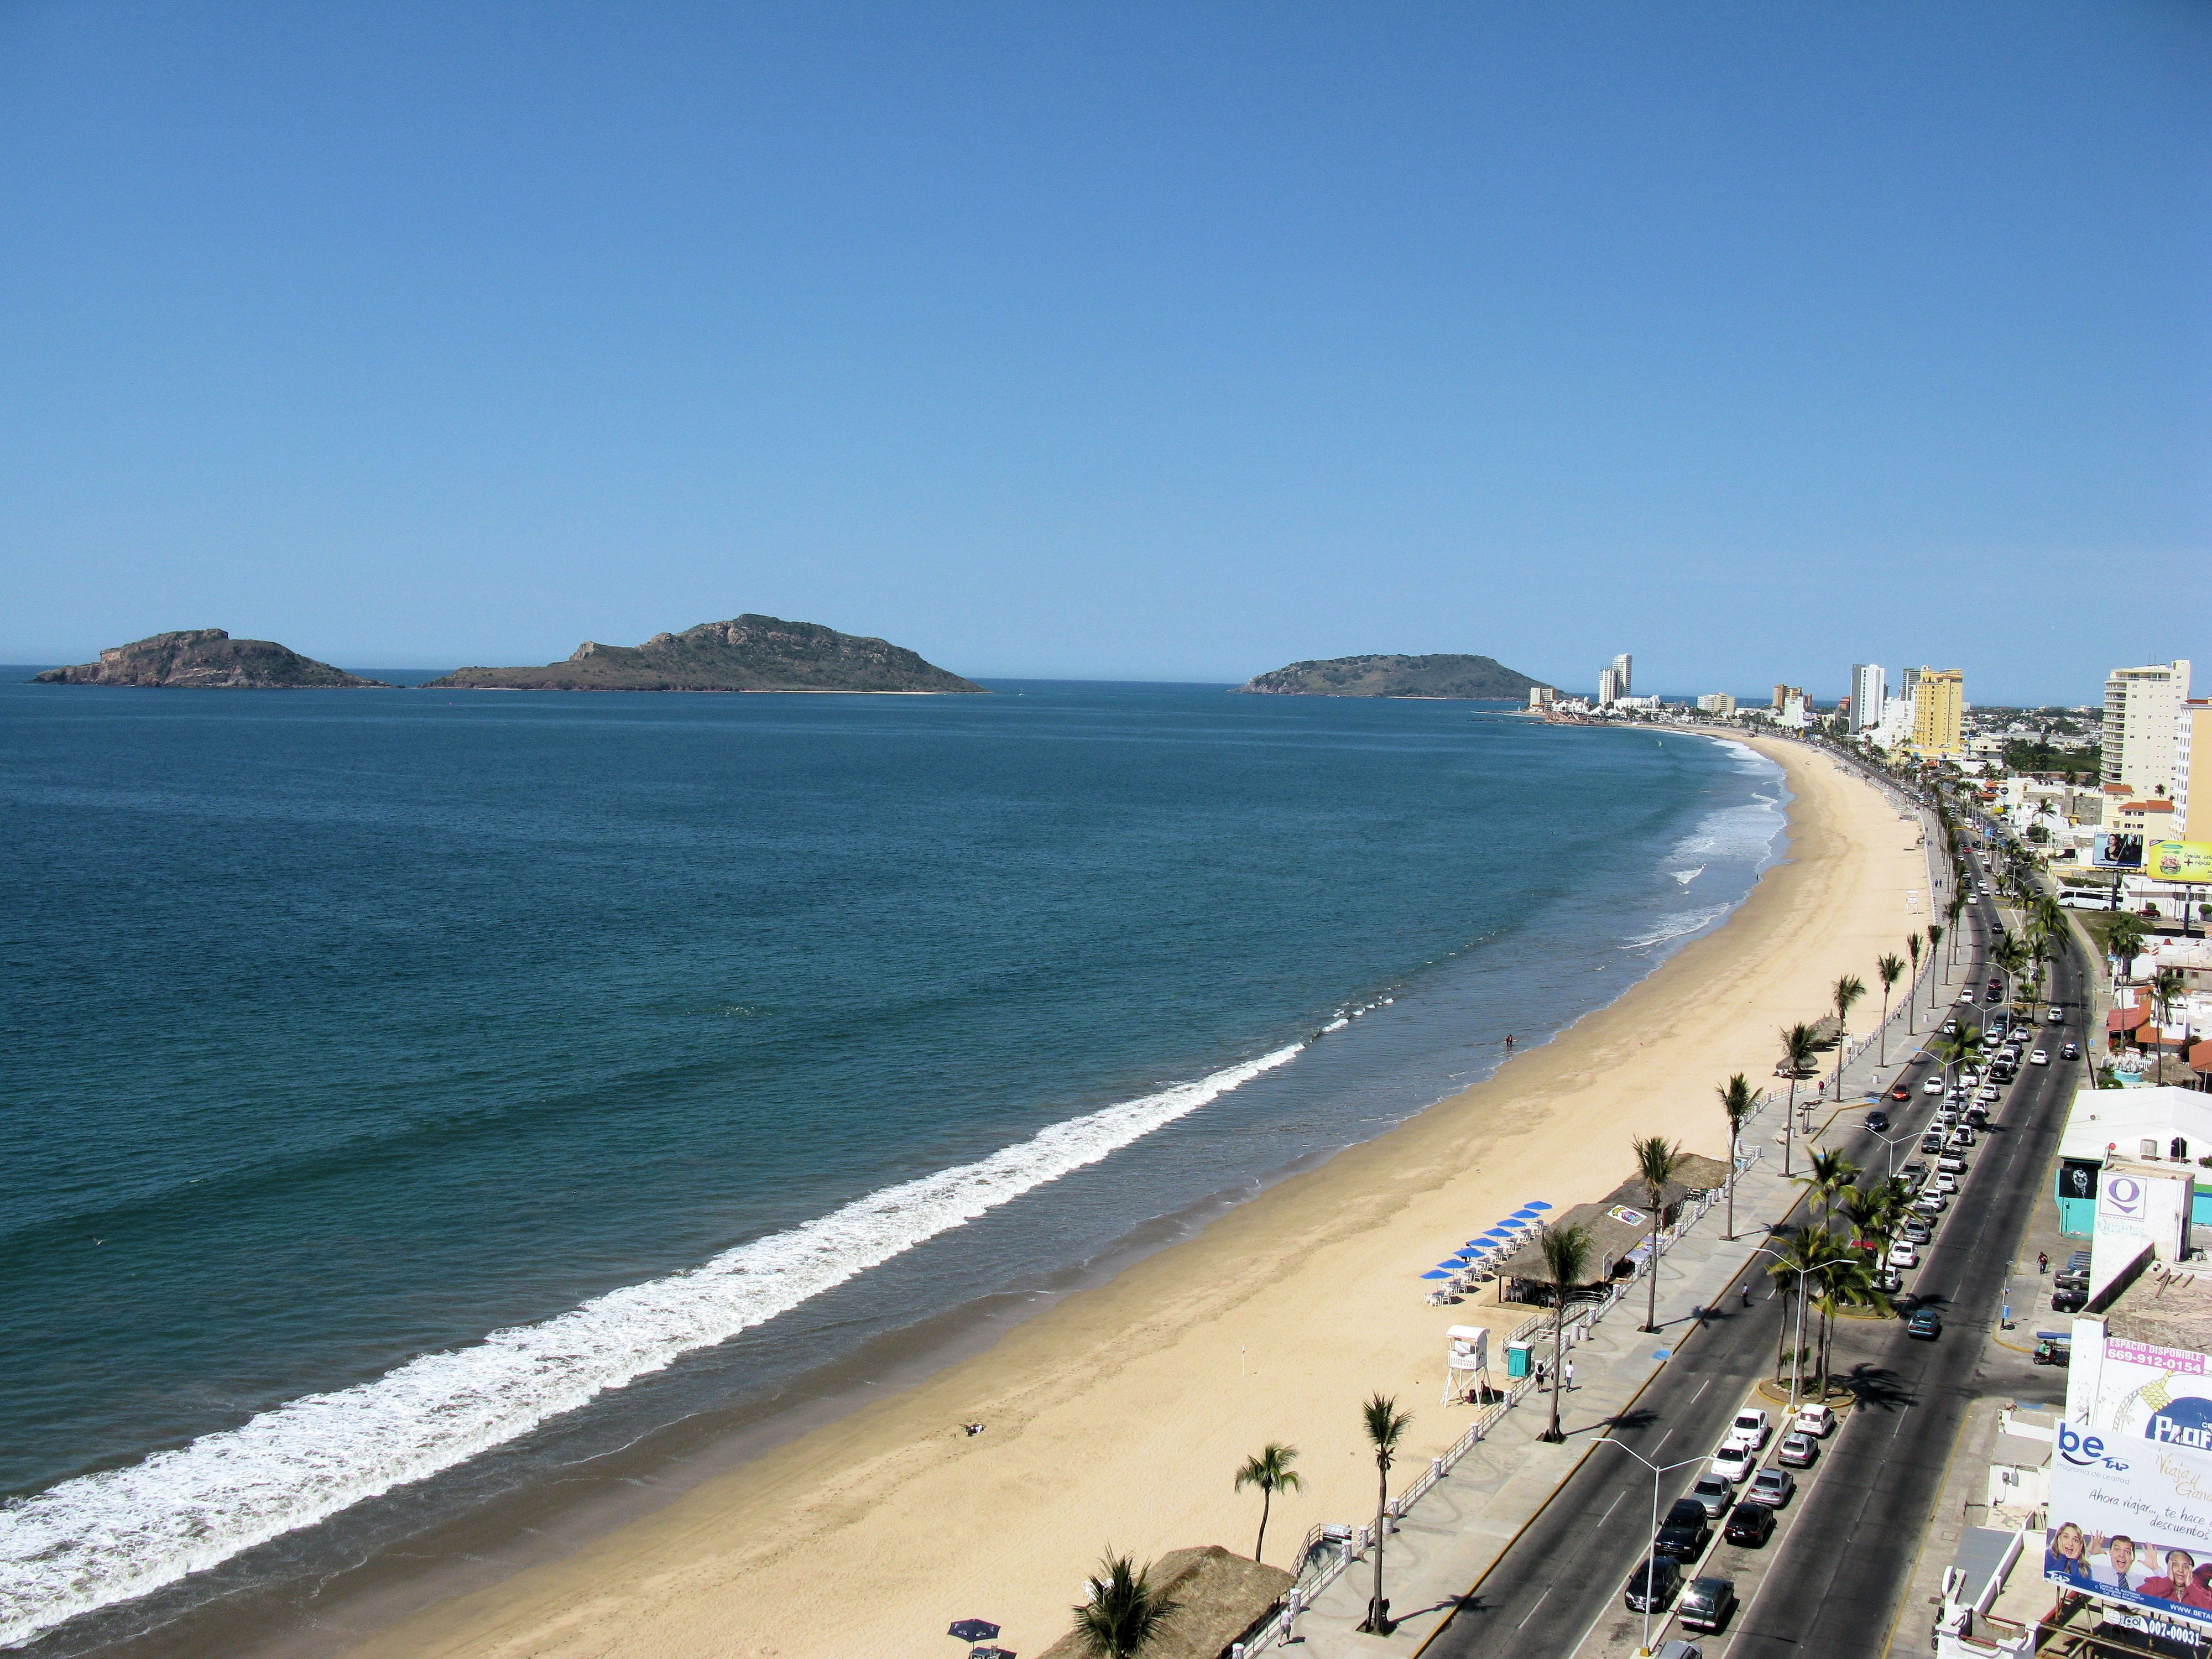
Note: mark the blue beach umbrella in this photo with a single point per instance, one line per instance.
(1436, 1273)
(1536, 1204)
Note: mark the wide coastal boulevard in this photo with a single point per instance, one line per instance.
(1832, 1578)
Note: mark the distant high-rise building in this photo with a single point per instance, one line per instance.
(1542, 696)
(1784, 693)
(1608, 687)
(1869, 686)
(2144, 708)
(1716, 703)
(1624, 679)
(1939, 712)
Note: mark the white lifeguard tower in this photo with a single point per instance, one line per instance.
(1467, 1360)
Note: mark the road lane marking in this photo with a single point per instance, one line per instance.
(1538, 1603)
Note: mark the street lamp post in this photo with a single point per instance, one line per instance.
(1889, 1147)
(1797, 1360)
(1657, 1469)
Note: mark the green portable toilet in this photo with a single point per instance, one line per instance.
(1517, 1362)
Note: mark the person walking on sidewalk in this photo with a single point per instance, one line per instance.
(2043, 1261)
(1569, 1373)
(1747, 1293)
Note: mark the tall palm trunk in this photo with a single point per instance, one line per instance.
(1267, 1501)
(1375, 1614)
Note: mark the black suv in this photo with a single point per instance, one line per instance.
(1749, 1524)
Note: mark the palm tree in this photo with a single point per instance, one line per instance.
(1385, 1425)
(1845, 1281)
(1888, 969)
(2167, 986)
(1796, 1054)
(1737, 1101)
(1913, 949)
(1831, 1173)
(1954, 909)
(1848, 989)
(1125, 1611)
(1935, 942)
(1566, 1260)
(1656, 1160)
(1271, 1472)
(2125, 942)
(1796, 1252)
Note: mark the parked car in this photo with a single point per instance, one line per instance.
(1678, 1649)
(1902, 1254)
(1930, 1204)
(1652, 1587)
(1887, 1281)
(1707, 1604)
(1910, 1172)
(1946, 1182)
(1716, 1492)
(1917, 1231)
(2069, 1301)
(1750, 1429)
(1877, 1122)
(1797, 1451)
(1772, 1487)
(2037, 1057)
(1749, 1524)
(1682, 1543)
(2071, 1051)
(1950, 1163)
(1818, 1421)
(1925, 1324)
(1733, 1461)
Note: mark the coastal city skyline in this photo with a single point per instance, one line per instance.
(1182, 831)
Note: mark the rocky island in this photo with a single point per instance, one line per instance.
(1447, 675)
(746, 653)
(206, 659)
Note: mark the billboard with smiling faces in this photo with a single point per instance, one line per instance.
(2131, 1484)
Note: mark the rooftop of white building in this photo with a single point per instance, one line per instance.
(2121, 1120)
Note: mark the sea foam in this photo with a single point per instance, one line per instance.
(101, 1538)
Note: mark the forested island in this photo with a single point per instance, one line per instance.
(1444, 675)
(746, 653)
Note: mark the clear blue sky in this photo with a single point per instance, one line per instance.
(1168, 341)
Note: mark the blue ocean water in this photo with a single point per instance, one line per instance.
(409, 1092)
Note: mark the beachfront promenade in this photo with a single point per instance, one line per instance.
(1467, 1517)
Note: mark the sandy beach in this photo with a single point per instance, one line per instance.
(1120, 1416)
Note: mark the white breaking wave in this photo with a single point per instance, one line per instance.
(105, 1538)
(1675, 926)
(1686, 876)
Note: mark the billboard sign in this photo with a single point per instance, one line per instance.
(2113, 852)
(2179, 861)
(2131, 1484)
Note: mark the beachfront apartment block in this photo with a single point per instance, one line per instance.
(1939, 713)
(1624, 676)
(1541, 698)
(1869, 689)
(1716, 703)
(1608, 687)
(2145, 710)
(2195, 800)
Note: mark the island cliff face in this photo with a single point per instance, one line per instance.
(1443, 676)
(746, 653)
(206, 659)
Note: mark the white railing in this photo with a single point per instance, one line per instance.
(1331, 1547)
